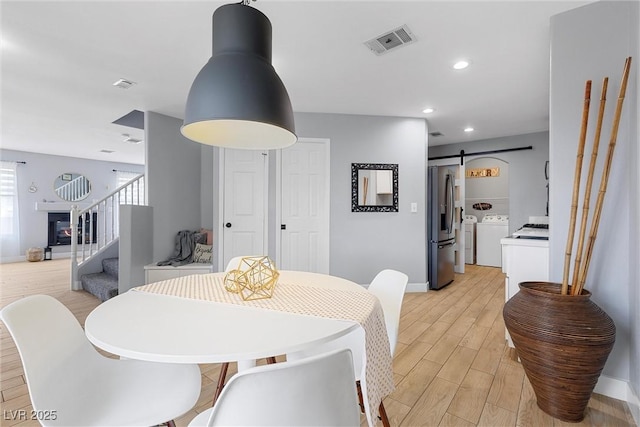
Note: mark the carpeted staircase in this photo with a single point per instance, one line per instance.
(104, 285)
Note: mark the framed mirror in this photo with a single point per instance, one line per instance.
(374, 187)
(72, 187)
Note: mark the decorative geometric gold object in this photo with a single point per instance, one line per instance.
(255, 278)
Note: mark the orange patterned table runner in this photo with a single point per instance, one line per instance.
(300, 298)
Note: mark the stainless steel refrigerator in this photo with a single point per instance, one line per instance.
(441, 236)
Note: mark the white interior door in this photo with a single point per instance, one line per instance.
(245, 198)
(304, 239)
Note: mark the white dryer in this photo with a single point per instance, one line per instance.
(470, 222)
(489, 231)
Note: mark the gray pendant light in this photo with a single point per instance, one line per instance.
(237, 100)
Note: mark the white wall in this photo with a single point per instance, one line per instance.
(42, 170)
(592, 42)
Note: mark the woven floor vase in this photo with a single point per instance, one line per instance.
(563, 343)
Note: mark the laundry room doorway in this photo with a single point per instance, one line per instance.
(487, 204)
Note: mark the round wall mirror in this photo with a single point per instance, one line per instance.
(72, 187)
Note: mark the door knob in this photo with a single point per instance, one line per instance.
(228, 225)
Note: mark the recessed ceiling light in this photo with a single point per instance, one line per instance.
(428, 110)
(460, 65)
(468, 129)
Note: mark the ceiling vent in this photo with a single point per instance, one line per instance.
(436, 133)
(391, 40)
(123, 83)
(131, 140)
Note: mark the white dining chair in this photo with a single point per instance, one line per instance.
(389, 287)
(71, 384)
(316, 391)
(233, 263)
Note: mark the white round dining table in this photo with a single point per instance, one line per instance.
(165, 328)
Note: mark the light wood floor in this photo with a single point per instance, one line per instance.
(451, 367)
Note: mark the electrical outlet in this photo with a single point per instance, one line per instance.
(414, 207)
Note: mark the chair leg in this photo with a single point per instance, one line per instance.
(381, 410)
(221, 379)
(383, 415)
(171, 423)
(360, 400)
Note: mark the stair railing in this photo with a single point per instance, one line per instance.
(96, 227)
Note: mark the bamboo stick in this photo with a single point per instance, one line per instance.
(576, 187)
(605, 177)
(587, 192)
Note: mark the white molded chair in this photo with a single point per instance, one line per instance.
(233, 264)
(317, 391)
(389, 287)
(72, 384)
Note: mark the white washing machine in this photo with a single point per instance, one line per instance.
(489, 231)
(470, 222)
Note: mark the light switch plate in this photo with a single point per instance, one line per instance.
(414, 207)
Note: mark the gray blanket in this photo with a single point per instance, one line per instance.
(185, 244)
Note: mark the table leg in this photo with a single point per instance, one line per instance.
(360, 400)
(221, 379)
(383, 415)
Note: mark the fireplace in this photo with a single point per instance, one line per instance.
(59, 229)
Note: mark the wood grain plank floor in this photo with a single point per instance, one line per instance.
(451, 368)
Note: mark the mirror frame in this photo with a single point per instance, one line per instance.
(355, 191)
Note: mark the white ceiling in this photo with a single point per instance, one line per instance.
(59, 60)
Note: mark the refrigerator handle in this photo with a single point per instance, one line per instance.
(450, 203)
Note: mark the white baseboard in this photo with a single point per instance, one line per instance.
(634, 405)
(621, 390)
(612, 387)
(22, 258)
(8, 260)
(417, 287)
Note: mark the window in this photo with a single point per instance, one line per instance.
(9, 215)
(133, 194)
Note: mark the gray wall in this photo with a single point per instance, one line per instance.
(135, 246)
(527, 185)
(42, 170)
(173, 180)
(634, 296)
(363, 243)
(592, 42)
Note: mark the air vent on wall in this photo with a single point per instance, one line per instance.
(436, 133)
(390, 40)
